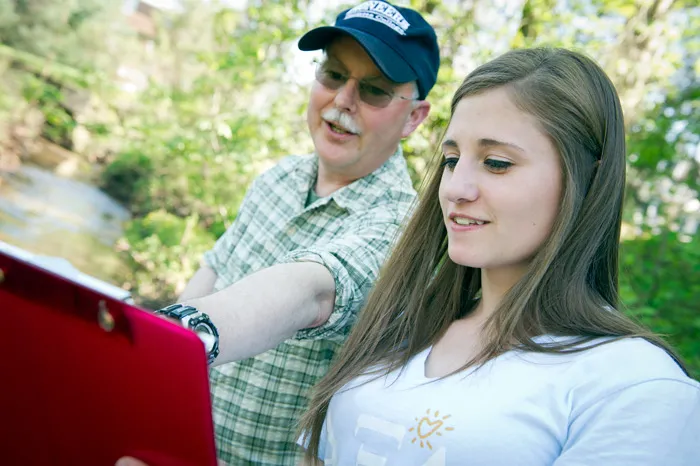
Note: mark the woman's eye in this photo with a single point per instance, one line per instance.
(497, 165)
(450, 163)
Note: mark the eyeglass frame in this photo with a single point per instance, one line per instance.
(360, 82)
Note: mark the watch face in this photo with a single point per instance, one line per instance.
(202, 327)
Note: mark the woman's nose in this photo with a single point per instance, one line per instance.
(462, 185)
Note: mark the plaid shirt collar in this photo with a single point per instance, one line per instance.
(354, 197)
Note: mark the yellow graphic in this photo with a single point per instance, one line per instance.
(428, 426)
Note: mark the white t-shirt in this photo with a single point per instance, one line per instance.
(624, 403)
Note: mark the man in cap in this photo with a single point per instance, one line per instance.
(280, 290)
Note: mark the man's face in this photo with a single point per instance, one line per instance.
(353, 138)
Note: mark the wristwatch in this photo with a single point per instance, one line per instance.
(197, 321)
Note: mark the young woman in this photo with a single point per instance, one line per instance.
(493, 336)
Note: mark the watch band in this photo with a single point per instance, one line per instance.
(198, 322)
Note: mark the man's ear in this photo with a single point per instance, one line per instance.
(420, 111)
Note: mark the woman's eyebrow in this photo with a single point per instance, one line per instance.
(449, 144)
(493, 142)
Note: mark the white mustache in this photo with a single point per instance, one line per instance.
(339, 118)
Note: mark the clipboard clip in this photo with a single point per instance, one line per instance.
(105, 319)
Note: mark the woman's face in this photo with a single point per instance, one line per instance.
(501, 186)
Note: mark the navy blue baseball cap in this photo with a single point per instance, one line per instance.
(401, 43)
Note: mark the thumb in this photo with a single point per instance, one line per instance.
(129, 461)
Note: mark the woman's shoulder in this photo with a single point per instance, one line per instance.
(631, 356)
(609, 366)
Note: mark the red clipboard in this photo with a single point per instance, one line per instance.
(86, 379)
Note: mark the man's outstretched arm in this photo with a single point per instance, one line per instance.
(262, 310)
(201, 284)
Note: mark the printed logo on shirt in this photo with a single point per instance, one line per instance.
(429, 425)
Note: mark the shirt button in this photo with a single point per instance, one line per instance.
(291, 230)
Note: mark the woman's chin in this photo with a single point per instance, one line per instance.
(464, 258)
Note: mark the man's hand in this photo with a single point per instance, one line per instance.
(129, 461)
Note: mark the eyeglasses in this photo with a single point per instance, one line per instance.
(376, 94)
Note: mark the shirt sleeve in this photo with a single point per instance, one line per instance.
(652, 423)
(354, 260)
(218, 257)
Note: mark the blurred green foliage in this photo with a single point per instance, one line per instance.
(660, 285)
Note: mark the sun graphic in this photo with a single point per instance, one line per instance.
(428, 426)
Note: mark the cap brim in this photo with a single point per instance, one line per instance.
(387, 60)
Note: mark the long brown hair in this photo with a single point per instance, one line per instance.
(571, 287)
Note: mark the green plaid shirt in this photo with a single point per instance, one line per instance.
(257, 402)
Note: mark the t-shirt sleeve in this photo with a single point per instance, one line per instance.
(354, 260)
(652, 423)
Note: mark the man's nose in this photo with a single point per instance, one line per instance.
(347, 95)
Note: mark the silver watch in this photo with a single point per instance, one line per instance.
(197, 321)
